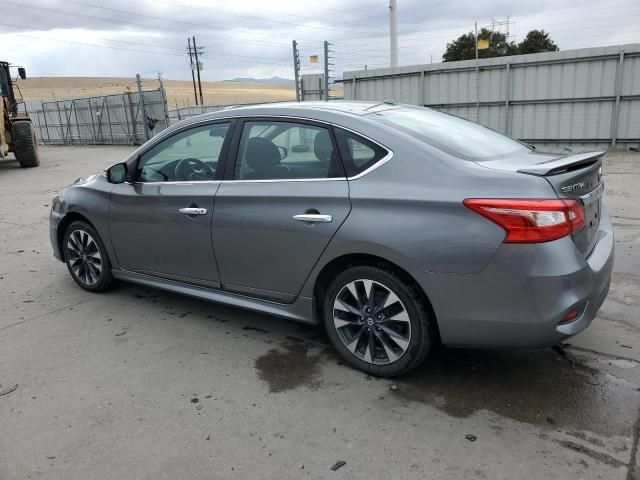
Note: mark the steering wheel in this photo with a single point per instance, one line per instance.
(193, 169)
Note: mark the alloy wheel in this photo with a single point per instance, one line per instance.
(371, 322)
(84, 257)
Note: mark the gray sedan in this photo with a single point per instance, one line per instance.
(394, 226)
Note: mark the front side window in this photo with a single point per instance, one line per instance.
(452, 134)
(188, 156)
(274, 150)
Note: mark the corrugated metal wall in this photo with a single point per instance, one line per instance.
(579, 98)
(110, 119)
(312, 86)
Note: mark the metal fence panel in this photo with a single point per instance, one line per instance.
(177, 114)
(581, 98)
(110, 119)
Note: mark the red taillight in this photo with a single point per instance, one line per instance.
(531, 221)
(570, 315)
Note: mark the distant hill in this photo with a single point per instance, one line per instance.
(272, 80)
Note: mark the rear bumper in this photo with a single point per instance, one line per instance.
(520, 298)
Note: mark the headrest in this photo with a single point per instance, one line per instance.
(322, 146)
(261, 153)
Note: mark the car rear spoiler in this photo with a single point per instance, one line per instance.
(563, 164)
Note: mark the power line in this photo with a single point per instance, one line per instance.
(324, 28)
(102, 39)
(86, 44)
(144, 15)
(123, 22)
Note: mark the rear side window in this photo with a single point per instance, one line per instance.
(357, 152)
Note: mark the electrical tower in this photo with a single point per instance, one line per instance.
(498, 24)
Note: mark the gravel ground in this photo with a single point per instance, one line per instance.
(138, 383)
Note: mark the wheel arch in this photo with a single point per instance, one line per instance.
(341, 263)
(67, 220)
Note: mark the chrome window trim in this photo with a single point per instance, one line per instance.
(376, 165)
(285, 180)
(179, 182)
(195, 124)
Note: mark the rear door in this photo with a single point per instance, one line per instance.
(280, 204)
(160, 222)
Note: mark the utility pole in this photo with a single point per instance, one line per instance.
(326, 71)
(195, 52)
(296, 69)
(141, 105)
(477, 77)
(393, 32)
(193, 75)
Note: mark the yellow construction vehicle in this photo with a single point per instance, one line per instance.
(17, 134)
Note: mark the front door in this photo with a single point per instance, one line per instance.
(285, 199)
(160, 223)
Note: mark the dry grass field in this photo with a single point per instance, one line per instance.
(179, 92)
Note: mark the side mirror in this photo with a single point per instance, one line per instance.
(117, 173)
(22, 73)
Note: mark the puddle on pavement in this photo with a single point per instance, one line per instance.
(289, 367)
(542, 387)
(549, 387)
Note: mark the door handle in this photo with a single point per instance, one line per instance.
(193, 211)
(313, 218)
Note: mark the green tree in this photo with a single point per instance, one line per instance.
(537, 41)
(463, 48)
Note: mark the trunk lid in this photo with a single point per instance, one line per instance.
(575, 176)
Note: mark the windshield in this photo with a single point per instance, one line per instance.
(449, 133)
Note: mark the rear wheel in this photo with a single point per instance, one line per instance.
(25, 145)
(377, 321)
(86, 257)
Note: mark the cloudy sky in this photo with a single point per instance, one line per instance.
(253, 37)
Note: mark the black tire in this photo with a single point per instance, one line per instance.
(81, 263)
(25, 146)
(422, 327)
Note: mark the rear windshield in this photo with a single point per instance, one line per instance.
(454, 135)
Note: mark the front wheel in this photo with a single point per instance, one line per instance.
(86, 257)
(377, 321)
